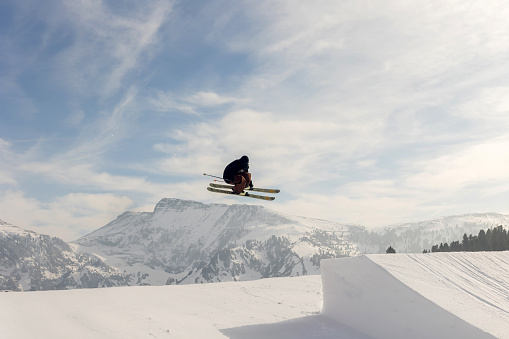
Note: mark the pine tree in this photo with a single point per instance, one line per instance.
(472, 242)
(390, 250)
(494, 239)
(465, 244)
(489, 237)
(456, 246)
(503, 239)
(483, 241)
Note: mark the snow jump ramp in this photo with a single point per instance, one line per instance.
(419, 296)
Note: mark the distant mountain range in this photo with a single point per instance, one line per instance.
(186, 242)
(31, 261)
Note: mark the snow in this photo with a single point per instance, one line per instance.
(8, 229)
(459, 283)
(440, 295)
(187, 311)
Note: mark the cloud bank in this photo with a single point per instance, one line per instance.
(362, 112)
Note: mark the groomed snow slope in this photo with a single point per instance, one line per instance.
(439, 295)
(460, 295)
(183, 311)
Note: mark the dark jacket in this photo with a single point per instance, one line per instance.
(235, 167)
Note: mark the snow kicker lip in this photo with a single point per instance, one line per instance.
(357, 288)
(245, 194)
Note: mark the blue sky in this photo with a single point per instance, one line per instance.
(367, 112)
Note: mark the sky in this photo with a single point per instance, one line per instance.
(363, 112)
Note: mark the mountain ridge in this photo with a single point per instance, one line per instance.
(181, 238)
(187, 242)
(32, 261)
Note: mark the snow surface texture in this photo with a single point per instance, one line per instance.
(442, 295)
(446, 295)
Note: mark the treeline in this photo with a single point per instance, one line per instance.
(496, 239)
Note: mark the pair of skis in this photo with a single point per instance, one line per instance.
(219, 188)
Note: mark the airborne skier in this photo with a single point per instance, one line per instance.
(237, 178)
(237, 174)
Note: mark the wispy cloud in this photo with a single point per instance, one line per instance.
(169, 102)
(484, 164)
(211, 99)
(15, 99)
(357, 93)
(359, 111)
(6, 171)
(108, 42)
(386, 57)
(491, 104)
(68, 217)
(282, 150)
(161, 101)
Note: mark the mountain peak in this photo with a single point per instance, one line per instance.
(186, 241)
(179, 205)
(33, 261)
(7, 228)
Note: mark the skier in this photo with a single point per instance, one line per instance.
(236, 173)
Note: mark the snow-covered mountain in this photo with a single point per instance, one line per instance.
(184, 242)
(31, 261)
